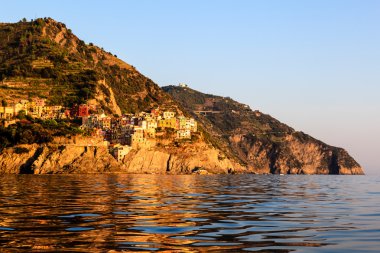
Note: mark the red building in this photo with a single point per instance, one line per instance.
(67, 113)
(155, 112)
(83, 111)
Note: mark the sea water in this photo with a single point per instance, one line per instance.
(189, 213)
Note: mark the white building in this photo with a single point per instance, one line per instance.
(120, 151)
(183, 134)
(168, 115)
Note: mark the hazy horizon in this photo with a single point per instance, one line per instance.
(313, 65)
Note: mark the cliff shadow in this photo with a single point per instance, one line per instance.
(333, 164)
(26, 168)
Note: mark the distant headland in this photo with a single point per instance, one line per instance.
(72, 107)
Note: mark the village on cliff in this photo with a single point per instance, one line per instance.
(120, 133)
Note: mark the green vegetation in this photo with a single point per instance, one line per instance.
(21, 115)
(36, 131)
(227, 118)
(42, 58)
(21, 150)
(229, 115)
(30, 56)
(53, 63)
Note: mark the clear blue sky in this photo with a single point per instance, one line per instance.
(314, 65)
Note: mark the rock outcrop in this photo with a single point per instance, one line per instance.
(260, 142)
(180, 160)
(294, 156)
(77, 156)
(57, 159)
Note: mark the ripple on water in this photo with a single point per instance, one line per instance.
(79, 215)
(230, 213)
(6, 229)
(79, 229)
(163, 230)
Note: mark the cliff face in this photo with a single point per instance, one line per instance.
(191, 158)
(293, 156)
(58, 158)
(80, 157)
(260, 142)
(53, 159)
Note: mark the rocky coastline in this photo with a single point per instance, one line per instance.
(74, 156)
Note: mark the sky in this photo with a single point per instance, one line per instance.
(313, 64)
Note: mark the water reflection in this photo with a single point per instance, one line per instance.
(97, 213)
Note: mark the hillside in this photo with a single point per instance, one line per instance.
(259, 141)
(45, 66)
(43, 58)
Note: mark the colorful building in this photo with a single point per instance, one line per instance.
(105, 123)
(120, 151)
(83, 110)
(6, 112)
(138, 137)
(183, 134)
(168, 114)
(168, 123)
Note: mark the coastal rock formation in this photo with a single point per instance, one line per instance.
(260, 142)
(73, 158)
(181, 160)
(264, 158)
(293, 156)
(57, 159)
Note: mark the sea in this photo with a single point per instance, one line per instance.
(189, 213)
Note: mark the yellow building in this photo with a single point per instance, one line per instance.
(168, 123)
(54, 111)
(19, 107)
(150, 132)
(138, 138)
(105, 122)
(6, 112)
(37, 111)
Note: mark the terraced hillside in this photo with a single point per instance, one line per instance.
(43, 58)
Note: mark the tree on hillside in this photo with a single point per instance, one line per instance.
(21, 114)
(85, 92)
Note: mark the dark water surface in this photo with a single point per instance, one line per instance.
(226, 213)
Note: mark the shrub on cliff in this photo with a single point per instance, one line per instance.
(21, 150)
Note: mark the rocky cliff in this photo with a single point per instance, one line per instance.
(187, 159)
(82, 157)
(260, 142)
(293, 156)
